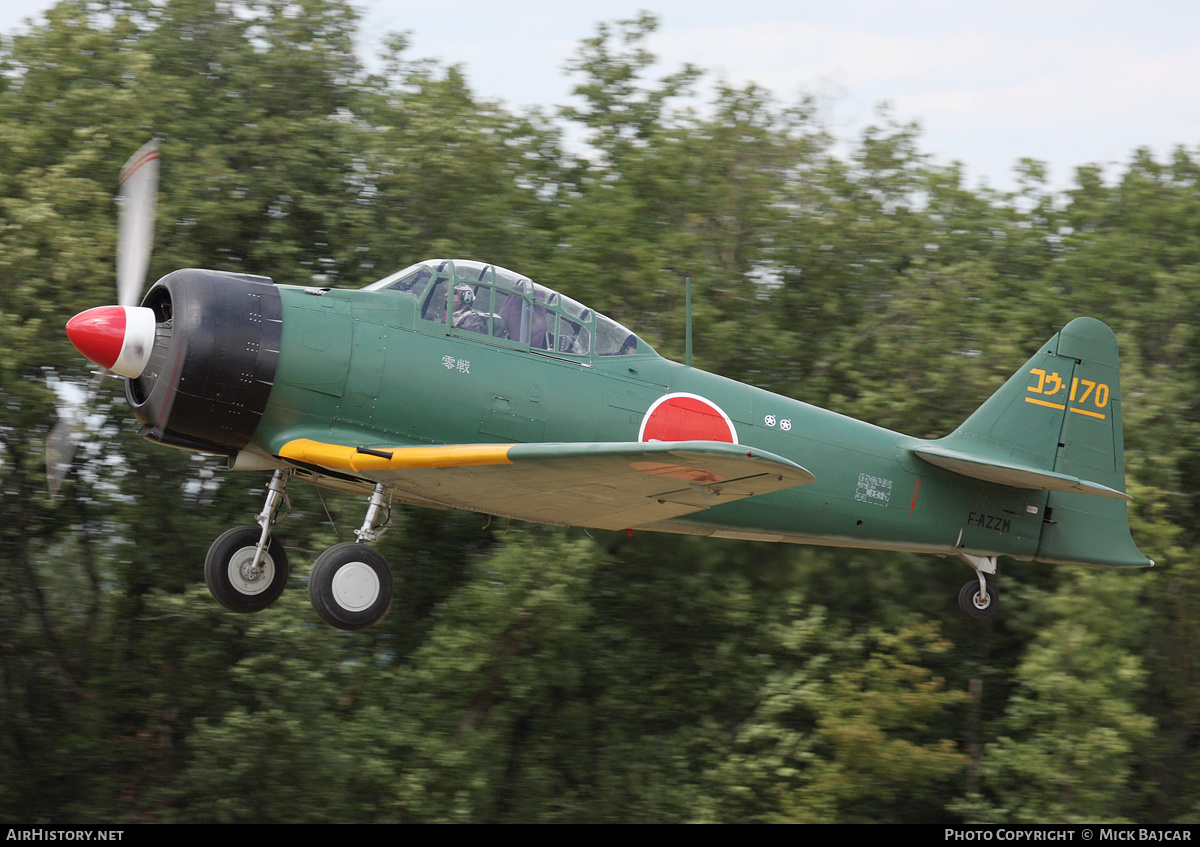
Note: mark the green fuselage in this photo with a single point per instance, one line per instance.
(362, 367)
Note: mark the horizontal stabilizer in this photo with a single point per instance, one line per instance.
(1012, 473)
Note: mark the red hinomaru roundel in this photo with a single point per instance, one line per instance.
(686, 417)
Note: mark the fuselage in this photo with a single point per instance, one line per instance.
(365, 367)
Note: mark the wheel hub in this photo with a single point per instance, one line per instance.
(355, 586)
(246, 578)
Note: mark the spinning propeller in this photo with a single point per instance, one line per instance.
(118, 338)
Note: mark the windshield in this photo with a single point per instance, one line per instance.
(411, 280)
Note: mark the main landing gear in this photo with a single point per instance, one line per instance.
(246, 569)
(350, 586)
(977, 598)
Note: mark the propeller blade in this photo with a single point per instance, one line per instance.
(107, 339)
(63, 441)
(60, 452)
(137, 195)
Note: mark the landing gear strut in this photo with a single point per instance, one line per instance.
(246, 569)
(977, 598)
(351, 585)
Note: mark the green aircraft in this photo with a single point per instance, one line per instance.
(459, 384)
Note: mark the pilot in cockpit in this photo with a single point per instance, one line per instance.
(465, 317)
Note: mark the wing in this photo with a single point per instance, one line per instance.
(607, 485)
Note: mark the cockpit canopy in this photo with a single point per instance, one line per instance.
(497, 302)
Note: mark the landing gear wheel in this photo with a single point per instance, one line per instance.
(350, 586)
(231, 577)
(974, 602)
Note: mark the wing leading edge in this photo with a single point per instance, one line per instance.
(603, 485)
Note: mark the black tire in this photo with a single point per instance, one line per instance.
(227, 571)
(350, 586)
(969, 600)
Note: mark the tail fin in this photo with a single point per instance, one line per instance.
(1056, 425)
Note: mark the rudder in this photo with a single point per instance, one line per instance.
(1080, 529)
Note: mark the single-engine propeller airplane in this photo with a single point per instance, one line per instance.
(459, 384)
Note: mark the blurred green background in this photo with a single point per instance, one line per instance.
(528, 673)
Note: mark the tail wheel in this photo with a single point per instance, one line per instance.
(350, 586)
(977, 603)
(232, 578)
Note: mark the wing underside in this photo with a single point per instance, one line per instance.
(605, 485)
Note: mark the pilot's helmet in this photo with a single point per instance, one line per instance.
(466, 293)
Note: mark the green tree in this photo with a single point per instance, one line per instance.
(528, 673)
(1068, 742)
(844, 731)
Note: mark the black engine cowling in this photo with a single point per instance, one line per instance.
(216, 346)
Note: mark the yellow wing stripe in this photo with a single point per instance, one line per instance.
(350, 458)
